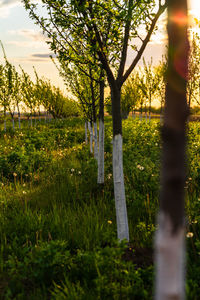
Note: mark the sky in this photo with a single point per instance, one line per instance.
(25, 43)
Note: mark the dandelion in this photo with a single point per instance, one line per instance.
(24, 192)
(15, 174)
(189, 235)
(109, 222)
(194, 222)
(141, 168)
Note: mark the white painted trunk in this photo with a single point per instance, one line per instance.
(170, 261)
(19, 122)
(13, 124)
(91, 137)
(86, 138)
(100, 178)
(119, 190)
(95, 142)
(4, 125)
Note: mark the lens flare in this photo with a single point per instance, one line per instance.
(180, 18)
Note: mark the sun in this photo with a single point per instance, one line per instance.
(194, 8)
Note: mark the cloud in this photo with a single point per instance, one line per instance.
(29, 38)
(30, 34)
(44, 55)
(6, 6)
(29, 44)
(9, 2)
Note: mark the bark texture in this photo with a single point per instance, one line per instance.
(118, 173)
(86, 138)
(95, 142)
(169, 243)
(19, 122)
(119, 190)
(91, 137)
(100, 179)
(13, 124)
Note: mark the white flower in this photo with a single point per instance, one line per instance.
(141, 168)
(194, 222)
(79, 172)
(72, 170)
(189, 235)
(109, 176)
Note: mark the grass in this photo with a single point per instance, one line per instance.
(58, 228)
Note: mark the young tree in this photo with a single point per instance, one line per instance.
(194, 71)
(170, 237)
(87, 85)
(28, 92)
(130, 94)
(161, 75)
(149, 82)
(109, 28)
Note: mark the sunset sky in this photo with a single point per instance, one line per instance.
(25, 44)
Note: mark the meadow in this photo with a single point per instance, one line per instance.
(58, 227)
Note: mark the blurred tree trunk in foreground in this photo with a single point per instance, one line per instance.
(170, 237)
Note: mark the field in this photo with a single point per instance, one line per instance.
(57, 226)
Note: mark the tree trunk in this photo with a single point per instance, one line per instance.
(19, 121)
(100, 178)
(91, 136)
(31, 120)
(86, 138)
(4, 119)
(161, 111)
(95, 142)
(13, 123)
(150, 110)
(118, 175)
(170, 237)
(19, 116)
(141, 112)
(94, 117)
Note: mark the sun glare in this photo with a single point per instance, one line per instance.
(180, 18)
(194, 8)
